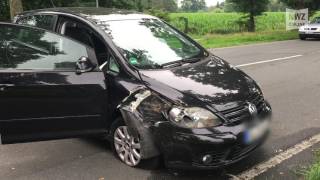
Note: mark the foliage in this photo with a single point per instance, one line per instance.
(226, 23)
(160, 14)
(276, 6)
(217, 10)
(154, 6)
(313, 173)
(167, 5)
(40, 4)
(251, 8)
(193, 5)
(219, 40)
(313, 5)
(122, 4)
(229, 7)
(4, 10)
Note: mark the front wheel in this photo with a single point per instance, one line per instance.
(302, 37)
(128, 148)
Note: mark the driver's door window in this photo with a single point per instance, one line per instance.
(36, 49)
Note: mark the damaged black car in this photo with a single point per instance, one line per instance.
(132, 78)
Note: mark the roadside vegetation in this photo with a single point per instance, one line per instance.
(228, 23)
(229, 29)
(313, 173)
(244, 38)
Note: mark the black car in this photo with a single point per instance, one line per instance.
(131, 78)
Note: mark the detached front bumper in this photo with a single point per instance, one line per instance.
(207, 148)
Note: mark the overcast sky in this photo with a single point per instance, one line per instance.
(210, 2)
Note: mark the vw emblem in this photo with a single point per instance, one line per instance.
(252, 109)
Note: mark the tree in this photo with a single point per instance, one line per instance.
(312, 5)
(229, 7)
(39, 4)
(251, 8)
(4, 10)
(193, 5)
(276, 6)
(167, 5)
(15, 7)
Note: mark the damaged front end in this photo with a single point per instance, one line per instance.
(166, 128)
(141, 111)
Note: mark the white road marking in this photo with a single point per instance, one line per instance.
(278, 159)
(271, 60)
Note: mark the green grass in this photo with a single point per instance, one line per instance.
(219, 40)
(214, 30)
(224, 23)
(313, 173)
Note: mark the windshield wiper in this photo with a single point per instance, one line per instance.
(180, 62)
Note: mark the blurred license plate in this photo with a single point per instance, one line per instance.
(256, 132)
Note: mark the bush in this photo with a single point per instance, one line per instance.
(162, 14)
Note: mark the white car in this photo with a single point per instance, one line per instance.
(311, 30)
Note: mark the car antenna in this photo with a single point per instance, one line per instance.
(52, 4)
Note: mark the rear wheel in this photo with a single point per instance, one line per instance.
(128, 148)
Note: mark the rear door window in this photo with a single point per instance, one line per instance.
(31, 48)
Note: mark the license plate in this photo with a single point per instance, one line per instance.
(256, 132)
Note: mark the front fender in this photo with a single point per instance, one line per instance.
(141, 110)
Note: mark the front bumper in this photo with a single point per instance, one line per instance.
(310, 34)
(185, 148)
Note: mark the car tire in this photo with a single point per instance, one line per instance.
(127, 149)
(302, 37)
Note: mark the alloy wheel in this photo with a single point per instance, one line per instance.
(127, 147)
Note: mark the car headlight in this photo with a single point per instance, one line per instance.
(301, 28)
(194, 117)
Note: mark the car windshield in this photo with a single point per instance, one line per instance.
(149, 43)
(316, 20)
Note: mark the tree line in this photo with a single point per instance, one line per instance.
(156, 6)
(250, 8)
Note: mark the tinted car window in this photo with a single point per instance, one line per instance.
(29, 48)
(40, 21)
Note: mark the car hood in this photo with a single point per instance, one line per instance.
(212, 81)
(312, 26)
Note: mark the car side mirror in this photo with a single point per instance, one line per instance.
(84, 65)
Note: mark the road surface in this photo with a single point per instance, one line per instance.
(289, 74)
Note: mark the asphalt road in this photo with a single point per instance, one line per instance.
(290, 84)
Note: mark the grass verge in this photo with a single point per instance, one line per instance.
(313, 173)
(235, 39)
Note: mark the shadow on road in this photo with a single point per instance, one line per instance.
(172, 174)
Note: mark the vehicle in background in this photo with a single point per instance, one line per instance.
(311, 30)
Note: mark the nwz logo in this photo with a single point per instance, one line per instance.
(298, 16)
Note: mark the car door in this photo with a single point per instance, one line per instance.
(41, 95)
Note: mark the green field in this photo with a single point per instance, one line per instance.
(222, 23)
(243, 38)
(225, 29)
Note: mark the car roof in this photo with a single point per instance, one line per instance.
(109, 14)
